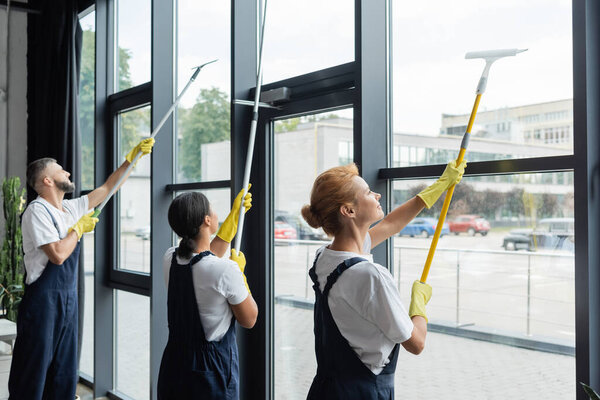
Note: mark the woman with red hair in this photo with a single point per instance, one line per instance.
(359, 318)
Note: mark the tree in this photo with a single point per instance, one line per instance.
(206, 122)
(86, 108)
(291, 124)
(134, 124)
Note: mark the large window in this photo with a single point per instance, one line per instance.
(134, 196)
(86, 99)
(513, 282)
(306, 36)
(132, 345)
(86, 125)
(203, 122)
(132, 43)
(311, 141)
(527, 110)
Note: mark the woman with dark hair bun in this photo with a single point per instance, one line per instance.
(359, 318)
(206, 296)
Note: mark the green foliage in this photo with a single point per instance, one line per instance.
(488, 203)
(590, 392)
(86, 108)
(291, 124)
(135, 127)
(287, 125)
(11, 257)
(206, 122)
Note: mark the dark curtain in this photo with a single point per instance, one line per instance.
(53, 62)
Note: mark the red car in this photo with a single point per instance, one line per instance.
(284, 231)
(471, 224)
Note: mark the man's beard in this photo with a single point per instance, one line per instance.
(66, 186)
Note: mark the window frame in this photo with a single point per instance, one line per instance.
(371, 66)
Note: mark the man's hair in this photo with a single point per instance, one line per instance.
(35, 169)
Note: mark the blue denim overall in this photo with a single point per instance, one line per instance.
(191, 366)
(44, 363)
(340, 373)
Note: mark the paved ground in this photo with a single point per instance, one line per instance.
(493, 294)
(449, 368)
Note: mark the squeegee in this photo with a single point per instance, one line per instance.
(197, 69)
(490, 56)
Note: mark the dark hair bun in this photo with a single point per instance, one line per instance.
(311, 218)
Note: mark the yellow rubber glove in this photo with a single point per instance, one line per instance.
(145, 146)
(420, 295)
(228, 228)
(84, 225)
(240, 259)
(451, 176)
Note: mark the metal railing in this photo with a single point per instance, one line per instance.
(514, 275)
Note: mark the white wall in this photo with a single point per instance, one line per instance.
(13, 161)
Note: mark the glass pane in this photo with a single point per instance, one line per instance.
(132, 345)
(134, 195)
(305, 141)
(86, 99)
(86, 363)
(527, 110)
(505, 267)
(203, 132)
(132, 39)
(306, 36)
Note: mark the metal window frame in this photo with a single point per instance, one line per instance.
(255, 351)
(117, 103)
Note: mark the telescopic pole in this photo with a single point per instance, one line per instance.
(250, 151)
(98, 209)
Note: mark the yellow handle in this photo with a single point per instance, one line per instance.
(446, 206)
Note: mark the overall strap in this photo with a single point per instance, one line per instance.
(194, 259)
(313, 274)
(49, 213)
(338, 271)
(199, 257)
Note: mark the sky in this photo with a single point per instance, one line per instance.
(429, 41)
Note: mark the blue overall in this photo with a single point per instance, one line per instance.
(191, 366)
(44, 362)
(340, 373)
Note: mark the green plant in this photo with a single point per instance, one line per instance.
(590, 392)
(11, 257)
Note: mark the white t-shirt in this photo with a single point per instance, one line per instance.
(38, 229)
(365, 305)
(218, 282)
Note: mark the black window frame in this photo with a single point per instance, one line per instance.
(372, 66)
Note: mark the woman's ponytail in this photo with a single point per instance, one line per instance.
(186, 215)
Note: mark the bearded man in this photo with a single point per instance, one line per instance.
(44, 363)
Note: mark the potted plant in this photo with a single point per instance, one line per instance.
(11, 257)
(590, 392)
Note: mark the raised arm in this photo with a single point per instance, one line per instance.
(403, 214)
(395, 221)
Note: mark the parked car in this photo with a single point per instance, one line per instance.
(423, 227)
(303, 230)
(284, 231)
(471, 224)
(143, 233)
(549, 233)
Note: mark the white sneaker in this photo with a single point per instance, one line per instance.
(77, 397)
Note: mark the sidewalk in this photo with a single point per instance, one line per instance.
(450, 368)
